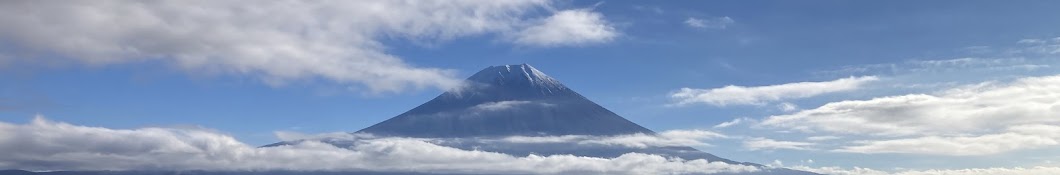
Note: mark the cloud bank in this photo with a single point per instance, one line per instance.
(280, 41)
(980, 119)
(48, 145)
(669, 138)
(741, 95)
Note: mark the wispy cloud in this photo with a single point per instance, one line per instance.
(759, 95)
(47, 145)
(1015, 138)
(979, 107)
(788, 107)
(639, 140)
(732, 122)
(503, 105)
(822, 138)
(1026, 55)
(770, 144)
(709, 23)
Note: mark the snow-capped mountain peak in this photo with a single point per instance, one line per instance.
(504, 101)
(521, 75)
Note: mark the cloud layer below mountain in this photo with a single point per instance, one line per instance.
(48, 145)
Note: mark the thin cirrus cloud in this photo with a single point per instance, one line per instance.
(280, 41)
(1028, 55)
(503, 105)
(770, 144)
(48, 145)
(759, 95)
(709, 23)
(979, 119)
(1015, 138)
(732, 122)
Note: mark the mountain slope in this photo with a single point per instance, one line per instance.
(507, 101)
(519, 100)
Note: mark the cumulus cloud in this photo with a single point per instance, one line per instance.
(770, 144)
(710, 23)
(740, 95)
(639, 140)
(279, 41)
(47, 145)
(568, 28)
(1038, 170)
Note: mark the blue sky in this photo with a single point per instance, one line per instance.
(633, 57)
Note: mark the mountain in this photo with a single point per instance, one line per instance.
(519, 100)
(507, 100)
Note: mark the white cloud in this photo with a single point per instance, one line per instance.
(976, 108)
(294, 136)
(788, 107)
(568, 28)
(46, 145)
(730, 123)
(1039, 170)
(822, 138)
(279, 41)
(638, 140)
(1023, 61)
(839, 170)
(1045, 46)
(1031, 41)
(501, 105)
(544, 139)
(777, 163)
(710, 23)
(694, 134)
(980, 119)
(740, 95)
(964, 64)
(1016, 138)
(770, 144)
